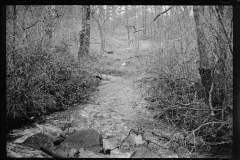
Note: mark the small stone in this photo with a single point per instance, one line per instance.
(124, 64)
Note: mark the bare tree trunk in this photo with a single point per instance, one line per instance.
(143, 24)
(101, 35)
(204, 70)
(224, 44)
(127, 25)
(49, 25)
(135, 14)
(145, 19)
(186, 17)
(103, 15)
(85, 32)
(201, 39)
(100, 30)
(113, 18)
(136, 40)
(220, 36)
(14, 32)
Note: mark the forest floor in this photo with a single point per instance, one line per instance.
(117, 107)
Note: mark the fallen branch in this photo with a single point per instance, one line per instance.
(205, 124)
(122, 141)
(162, 136)
(124, 138)
(85, 139)
(188, 108)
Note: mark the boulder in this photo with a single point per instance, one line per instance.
(38, 140)
(89, 139)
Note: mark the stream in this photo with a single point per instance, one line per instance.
(113, 110)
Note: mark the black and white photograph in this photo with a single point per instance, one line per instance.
(119, 81)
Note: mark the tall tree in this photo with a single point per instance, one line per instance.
(204, 70)
(85, 32)
(224, 45)
(14, 32)
(144, 19)
(100, 25)
(201, 38)
(113, 23)
(49, 23)
(101, 30)
(126, 10)
(223, 24)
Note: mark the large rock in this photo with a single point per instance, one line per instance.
(38, 140)
(91, 140)
(78, 140)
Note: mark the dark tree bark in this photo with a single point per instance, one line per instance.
(14, 32)
(201, 39)
(204, 70)
(85, 32)
(224, 44)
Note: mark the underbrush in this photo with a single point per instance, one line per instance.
(175, 94)
(180, 103)
(39, 83)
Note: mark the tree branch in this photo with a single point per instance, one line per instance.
(161, 14)
(224, 29)
(154, 19)
(132, 27)
(31, 25)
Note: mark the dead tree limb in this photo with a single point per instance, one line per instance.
(31, 25)
(210, 99)
(154, 19)
(132, 27)
(161, 13)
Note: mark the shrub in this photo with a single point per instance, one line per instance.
(175, 89)
(40, 83)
